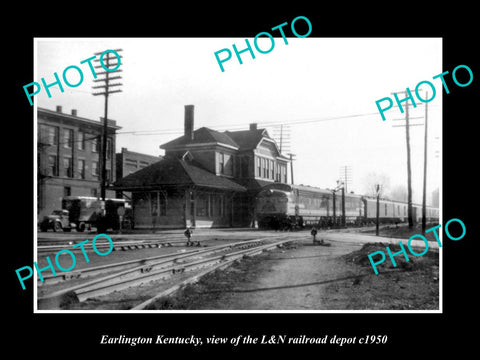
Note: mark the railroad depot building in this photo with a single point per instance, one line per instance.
(69, 156)
(206, 178)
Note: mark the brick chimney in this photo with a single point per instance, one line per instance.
(74, 112)
(59, 108)
(253, 126)
(189, 122)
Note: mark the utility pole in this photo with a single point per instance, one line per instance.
(334, 207)
(377, 187)
(409, 167)
(346, 175)
(424, 199)
(282, 136)
(291, 165)
(105, 62)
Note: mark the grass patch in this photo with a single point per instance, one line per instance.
(360, 257)
(403, 231)
(411, 285)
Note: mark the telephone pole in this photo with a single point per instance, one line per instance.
(424, 199)
(377, 223)
(409, 166)
(291, 165)
(105, 61)
(346, 175)
(282, 136)
(409, 169)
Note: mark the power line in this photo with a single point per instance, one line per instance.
(242, 126)
(345, 173)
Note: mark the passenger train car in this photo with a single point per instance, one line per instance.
(285, 206)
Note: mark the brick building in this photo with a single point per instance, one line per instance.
(206, 179)
(128, 162)
(69, 157)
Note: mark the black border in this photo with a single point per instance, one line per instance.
(80, 334)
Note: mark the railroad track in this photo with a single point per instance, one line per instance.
(222, 265)
(136, 272)
(123, 245)
(117, 245)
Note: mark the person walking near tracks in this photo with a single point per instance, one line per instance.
(188, 234)
(314, 234)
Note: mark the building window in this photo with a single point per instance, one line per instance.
(52, 169)
(94, 192)
(385, 209)
(283, 173)
(277, 172)
(67, 166)
(96, 144)
(158, 204)
(264, 168)
(53, 135)
(67, 138)
(259, 167)
(227, 164)
(67, 191)
(224, 164)
(272, 170)
(81, 140)
(48, 135)
(221, 163)
(131, 162)
(81, 168)
(95, 168)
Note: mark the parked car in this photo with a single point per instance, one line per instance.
(59, 220)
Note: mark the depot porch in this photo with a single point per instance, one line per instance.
(188, 207)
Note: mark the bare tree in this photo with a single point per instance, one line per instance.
(370, 182)
(399, 193)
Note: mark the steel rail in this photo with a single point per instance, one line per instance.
(140, 264)
(142, 274)
(120, 245)
(222, 265)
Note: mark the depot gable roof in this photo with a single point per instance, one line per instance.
(201, 136)
(172, 171)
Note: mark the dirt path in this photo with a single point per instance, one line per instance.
(308, 277)
(290, 279)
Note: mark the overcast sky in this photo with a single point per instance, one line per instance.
(324, 88)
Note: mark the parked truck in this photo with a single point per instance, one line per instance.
(83, 212)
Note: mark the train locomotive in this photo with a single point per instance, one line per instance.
(282, 206)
